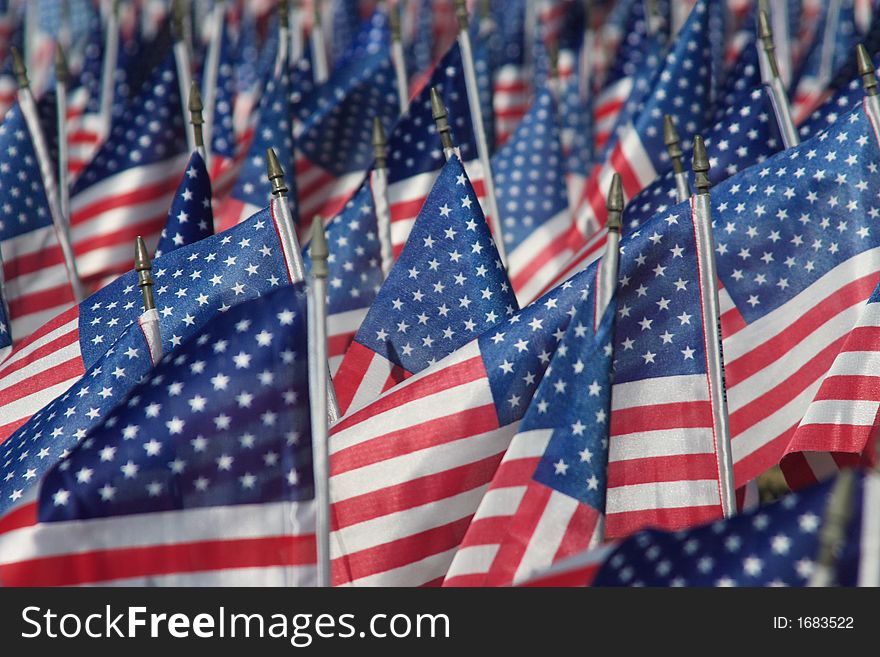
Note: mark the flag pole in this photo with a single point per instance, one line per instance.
(318, 385)
(295, 21)
(869, 83)
(587, 50)
(32, 120)
(473, 94)
(608, 268)
(149, 321)
(673, 148)
(108, 67)
(379, 188)
(773, 82)
(61, 75)
(320, 68)
(397, 57)
(708, 276)
(212, 66)
(829, 35)
(441, 118)
(839, 513)
(196, 120)
(182, 60)
(283, 37)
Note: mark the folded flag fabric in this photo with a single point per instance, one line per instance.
(190, 218)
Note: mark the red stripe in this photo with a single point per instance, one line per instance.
(583, 576)
(579, 532)
(650, 470)
(351, 374)
(547, 253)
(608, 108)
(14, 364)
(516, 472)
(30, 263)
(38, 301)
(841, 438)
(767, 455)
(849, 387)
(520, 531)
(18, 517)
(52, 376)
(403, 210)
(339, 343)
(676, 415)
(618, 525)
(144, 227)
(397, 376)
(732, 322)
(157, 560)
(630, 179)
(141, 194)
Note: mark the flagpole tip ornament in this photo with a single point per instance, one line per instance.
(275, 173)
(394, 22)
(144, 268)
(673, 143)
(195, 113)
(318, 249)
(461, 13)
(615, 203)
(765, 34)
(866, 70)
(178, 16)
(380, 149)
(61, 70)
(701, 166)
(441, 118)
(19, 69)
(283, 13)
(553, 56)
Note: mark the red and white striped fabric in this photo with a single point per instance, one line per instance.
(840, 426)
(213, 546)
(608, 106)
(320, 191)
(511, 99)
(577, 571)
(8, 93)
(85, 133)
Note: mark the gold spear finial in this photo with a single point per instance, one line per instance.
(394, 22)
(441, 118)
(673, 145)
(615, 204)
(178, 17)
(143, 266)
(19, 69)
(866, 70)
(380, 148)
(61, 70)
(318, 249)
(283, 13)
(765, 34)
(275, 173)
(461, 13)
(701, 166)
(195, 114)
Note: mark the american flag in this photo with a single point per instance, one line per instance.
(201, 477)
(252, 189)
(193, 282)
(833, 44)
(408, 471)
(335, 122)
(37, 282)
(774, 545)
(355, 272)
(547, 498)
(84, 123)
(127, 188)
(511, 90)
(797, 256)
(447, 287)
(415, 158)
(532, 195)
(52, 432)
(190, 218)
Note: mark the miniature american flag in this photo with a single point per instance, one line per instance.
(190, 218)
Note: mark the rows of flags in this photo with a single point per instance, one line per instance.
(570, 360)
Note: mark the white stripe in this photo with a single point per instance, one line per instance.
(578, 561)
(371, 384)
(528, 444)
(26, 350)
(118, 218)
(25, 407)
(500, 502)
(822, 465)
(412, 574)
(128, 180)
(659, 390)
(37, 367)
(853, 412)
(856, 363)
(869, 562)
(286, 576)
(660, 443)
(547, 537)
(472, 560)
(663, 495)
(34, 241)
(25, 326)
(347, 322)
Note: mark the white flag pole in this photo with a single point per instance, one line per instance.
(32, 120)
(283, 53)
(212, 67)
(149, 320)
(318, 398)
(708, 278)
(108, 66)
(196, 120)
(773, 82)
(182, 62)
(320, 67)
(869, 83)
(61, 75)
(473, 93)
(379, 189)
(397, 57)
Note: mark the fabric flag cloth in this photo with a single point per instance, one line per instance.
(127, 188)
(547, 498)
(806, 216)
(193, 283)
(190, 218)
(839, 428)
(408, 471)
(447, 287)
(414, 153)
(511, 88)
(252, 189)
(84, 121)
(334, 123)
(59, 426)
(532, 195)
(203, 476)
(37, 281)
(355, 272)
(774, 545)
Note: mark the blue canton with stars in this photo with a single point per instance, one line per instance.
(659, 329)
(529, 173)
(448, 284)
(193, 284)
(574, 400)
(149, 131)
(354, 262)
(782, 225)
(273, 130)
(52, 432)
(222, 420)
(223, 140)
(773, 545)
(23, 203)
(190, 218)
(517, 352)
(413, 146)
(337, 118)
